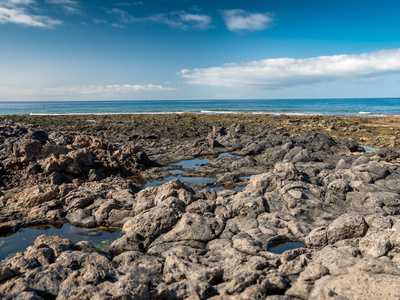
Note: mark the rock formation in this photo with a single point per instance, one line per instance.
(180, 241)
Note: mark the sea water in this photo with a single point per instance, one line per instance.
(325, 107)
(25, 237)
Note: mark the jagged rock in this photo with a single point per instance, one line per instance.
(156, 221)
(317, 238)
(192, 227)
(181, 241)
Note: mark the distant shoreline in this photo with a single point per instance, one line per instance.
(375, 132)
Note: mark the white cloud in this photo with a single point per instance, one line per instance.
(99, 21)
(239, 20)
(176, 19)
(83, 90)
(288, 72)
(116, 25)
(108, 89)
(63, 2)
(129, 4)
(22, 2)
(18, 12)
(21, 17)
(69, 6)
(196, 21)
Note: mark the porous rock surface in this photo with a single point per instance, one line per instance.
(183, 242)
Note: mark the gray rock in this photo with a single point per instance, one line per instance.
(375, 244)
(138, 259)
(156, 221)
(192, 227)
(128, 242)
(317, 238)
(346, 226)
(339, 187)
(81, 218)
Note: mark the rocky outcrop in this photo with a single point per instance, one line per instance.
(49, 179)
(31, 157)
(180, 241)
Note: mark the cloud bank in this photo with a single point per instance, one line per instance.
(288, 72)
(19, 12)
(240, 20)
(83, 90)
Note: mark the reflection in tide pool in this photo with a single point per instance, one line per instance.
(192, 163)
(229, 155)
(221, 188)
(238, 188)
(25, 237)
(370, 149)
(178, 172)
(279, 249)
(157, 183)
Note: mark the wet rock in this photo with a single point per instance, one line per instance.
(7, 273)
(81, 218)
(9, 227)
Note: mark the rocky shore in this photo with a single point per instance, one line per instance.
(376, 132)
(335, 206)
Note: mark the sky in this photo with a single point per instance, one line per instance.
(183, 50)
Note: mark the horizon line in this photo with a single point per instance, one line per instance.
(206, 99)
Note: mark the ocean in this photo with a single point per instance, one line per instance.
(325, 107)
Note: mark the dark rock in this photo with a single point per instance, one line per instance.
(128, 242)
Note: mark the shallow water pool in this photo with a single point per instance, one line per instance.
(370, 149)
(157, 183)
(229, 155)
(25, 237)
(279, 249)
(192, 163)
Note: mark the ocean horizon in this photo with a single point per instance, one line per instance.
(377, 107)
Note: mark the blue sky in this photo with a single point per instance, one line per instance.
(181, 49)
